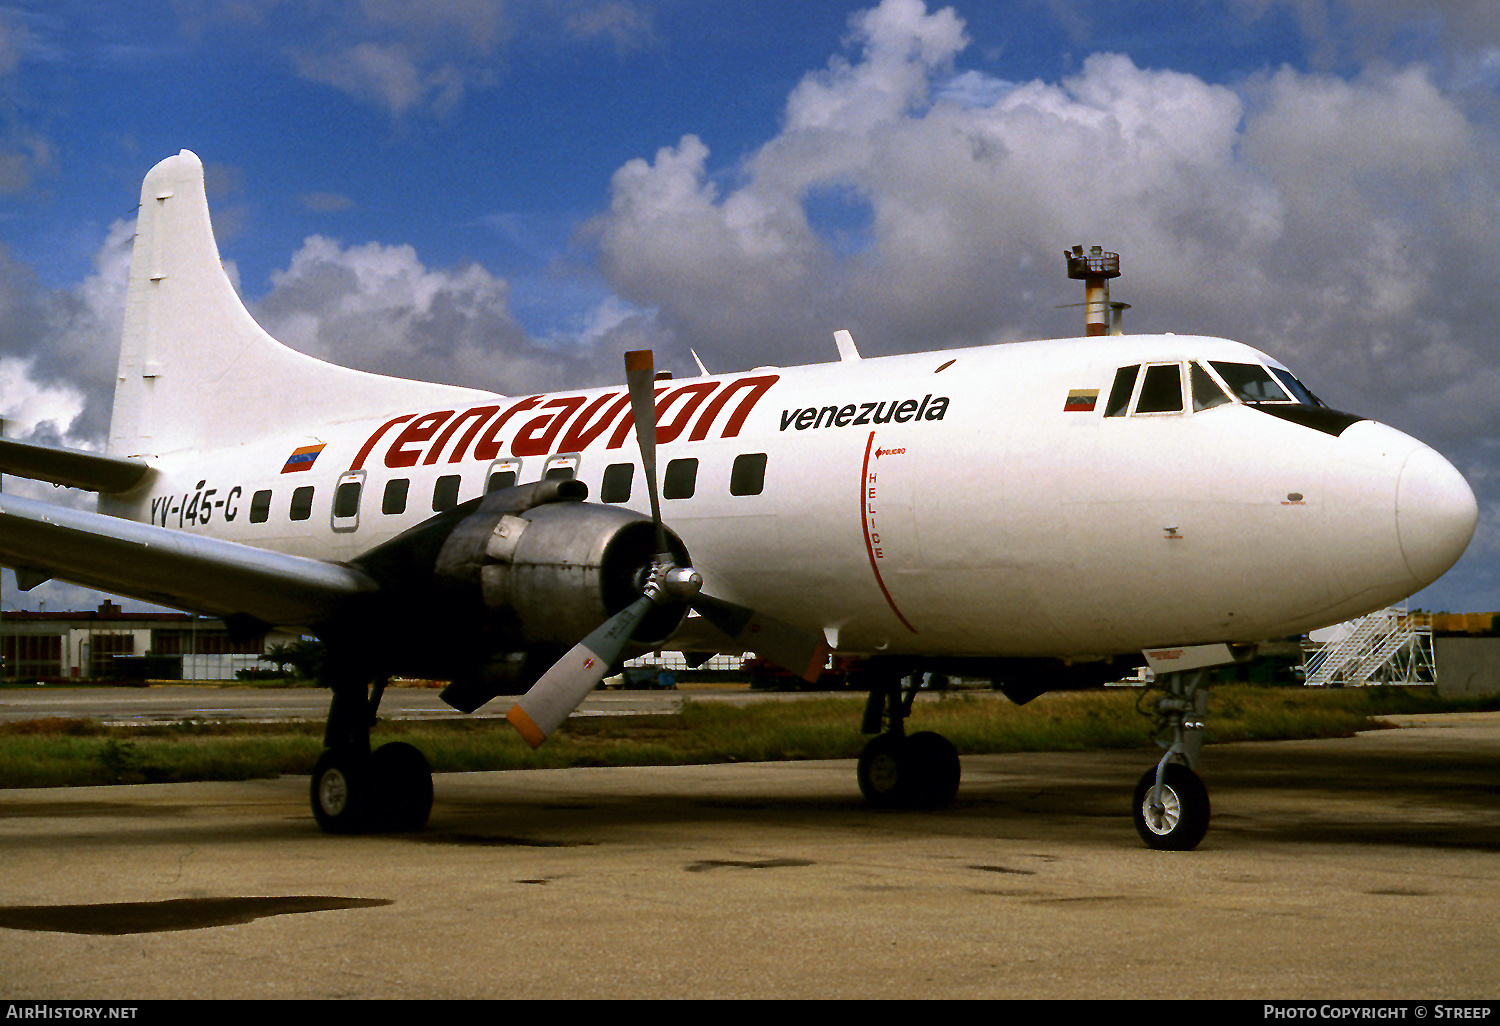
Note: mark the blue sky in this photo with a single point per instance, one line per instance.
(510, 193)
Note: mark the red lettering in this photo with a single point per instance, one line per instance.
(757, 388)
(419, 430)
(364, 452)
(695, 394)
(582, 431)
(478, 415)
(488, 446)
(627, 423)
(535, 439)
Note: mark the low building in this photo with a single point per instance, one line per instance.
(111, 644)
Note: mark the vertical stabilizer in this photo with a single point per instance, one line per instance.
(196, 371)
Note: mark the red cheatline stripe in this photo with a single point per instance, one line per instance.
(864, 516)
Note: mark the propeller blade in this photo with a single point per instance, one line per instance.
(640, 378)
(569, 680)
(791, 648)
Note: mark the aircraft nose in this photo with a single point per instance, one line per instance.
(1435, 514)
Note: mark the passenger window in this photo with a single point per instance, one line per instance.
(1206, 391)
(560, 474)
(617, 481)
(748, 475)
(500, 479)
(394, 500)
(1250, 383)
(260, 507)
(1161, 391)
(1119, 395)
(346, 500)
(680, 479)
(302, 499)
(445, 492)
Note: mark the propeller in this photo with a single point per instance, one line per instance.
(568, 681)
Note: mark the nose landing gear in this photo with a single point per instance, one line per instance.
(1170, 807)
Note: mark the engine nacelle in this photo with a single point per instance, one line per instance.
(559, 570)
(499, 587)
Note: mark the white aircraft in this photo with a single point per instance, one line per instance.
(1047, 514)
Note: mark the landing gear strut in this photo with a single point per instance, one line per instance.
(354, 790)
(1171, 804)
(897, 770)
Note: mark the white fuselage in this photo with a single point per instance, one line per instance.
(953, 503)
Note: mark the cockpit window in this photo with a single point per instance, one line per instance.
(1250, 383)
(1207, 392)
(1302, 392)
(1119, 395)
(1161, 391)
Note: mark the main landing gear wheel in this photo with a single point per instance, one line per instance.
(341, 791)
(354, 791)
(403, 780)
(1179, 821)
(917, 772)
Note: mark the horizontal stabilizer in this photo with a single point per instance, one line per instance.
(174, 568)
(73, 468)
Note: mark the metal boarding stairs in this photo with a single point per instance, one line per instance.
(1392, 646)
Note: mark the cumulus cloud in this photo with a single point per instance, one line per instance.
(965, 189)
(380, 308)
(59, 347)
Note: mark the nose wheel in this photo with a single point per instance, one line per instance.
(1170, 806)
(1174, 816)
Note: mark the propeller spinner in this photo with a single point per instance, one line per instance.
(568, 682)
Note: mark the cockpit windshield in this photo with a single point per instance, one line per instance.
(1302, 392)
(1250, 383)
(1158, 388)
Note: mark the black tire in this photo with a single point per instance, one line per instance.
(340, 791)
(932, 769)
(402, 782)
(1184, 819)
(881, 774)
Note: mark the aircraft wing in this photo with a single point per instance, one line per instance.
(172, 568)
(74, 468)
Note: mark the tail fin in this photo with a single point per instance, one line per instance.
(196, 371)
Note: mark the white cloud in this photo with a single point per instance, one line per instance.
(31, 408)
(380, 308)
(62, 344)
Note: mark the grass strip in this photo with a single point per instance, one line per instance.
(72, 752)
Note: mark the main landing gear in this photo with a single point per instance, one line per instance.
(900, 770)
(1171, 804)
(354, 790)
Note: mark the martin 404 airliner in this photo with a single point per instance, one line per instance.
(1046, 514)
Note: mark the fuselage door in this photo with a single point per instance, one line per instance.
(346, 498)
(561, 467)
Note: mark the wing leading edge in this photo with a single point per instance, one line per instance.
(172, 568)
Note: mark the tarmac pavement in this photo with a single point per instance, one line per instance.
(1362, 868)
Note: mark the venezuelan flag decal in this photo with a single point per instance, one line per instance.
(302, 459)
(1081, 400)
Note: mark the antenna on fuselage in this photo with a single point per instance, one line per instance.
(1101, 317)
